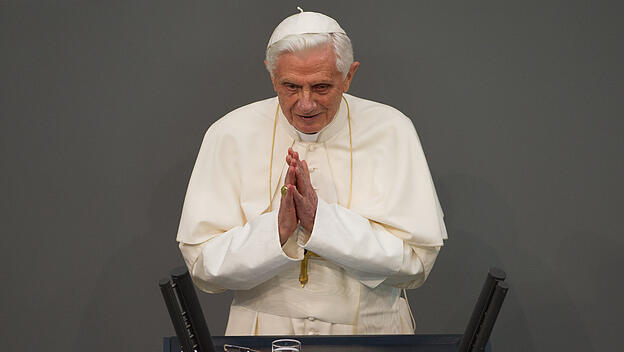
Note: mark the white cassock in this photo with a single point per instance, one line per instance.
(387, 239)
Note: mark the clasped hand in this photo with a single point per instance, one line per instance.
(299, 203)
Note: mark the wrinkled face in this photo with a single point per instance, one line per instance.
(310, 87)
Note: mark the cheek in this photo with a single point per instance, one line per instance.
(332, 101)
(287, 100)
(328, 100)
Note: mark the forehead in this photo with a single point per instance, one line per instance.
(309, 65)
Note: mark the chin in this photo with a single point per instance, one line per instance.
(309, 130)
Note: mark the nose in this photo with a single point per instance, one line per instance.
(306, 104)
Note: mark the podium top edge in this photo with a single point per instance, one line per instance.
(497, 273)
(179, 272)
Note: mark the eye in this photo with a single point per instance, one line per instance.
(321, 88)
(290, 86)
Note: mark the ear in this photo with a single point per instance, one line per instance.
(270, 75)
(352, 69)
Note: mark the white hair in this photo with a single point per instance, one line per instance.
(300, 42)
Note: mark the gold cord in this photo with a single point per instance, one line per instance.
(350, 151)
(271, 161)
(303, 269)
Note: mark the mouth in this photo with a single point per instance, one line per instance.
(308, 116)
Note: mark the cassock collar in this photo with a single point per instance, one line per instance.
(308, 137)
(336, 125)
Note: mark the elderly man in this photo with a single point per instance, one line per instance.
(315, 207)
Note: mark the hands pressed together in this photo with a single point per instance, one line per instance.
(299, 203)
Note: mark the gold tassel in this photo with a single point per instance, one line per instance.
(303, 270)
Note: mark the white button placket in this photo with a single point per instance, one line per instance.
(320, 173)
(311, 161)
(312, 327)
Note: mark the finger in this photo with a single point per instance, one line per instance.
(306, 170)
(290, 197)
(290, 158)
(291, 152)
(303, 178)
(290, 178)
(287, 200)
(287, 216)
(301, 184)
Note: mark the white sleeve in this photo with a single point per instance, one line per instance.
(221, 246)
(367, 249)
(240, 258)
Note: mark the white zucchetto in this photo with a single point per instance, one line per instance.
(304, 23)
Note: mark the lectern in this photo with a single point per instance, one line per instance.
(193, 335)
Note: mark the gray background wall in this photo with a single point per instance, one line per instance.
(104, 104)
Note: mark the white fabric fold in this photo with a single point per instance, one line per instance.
(350, 241)
(242, 257)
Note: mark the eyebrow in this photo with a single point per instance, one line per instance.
(323, 82)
